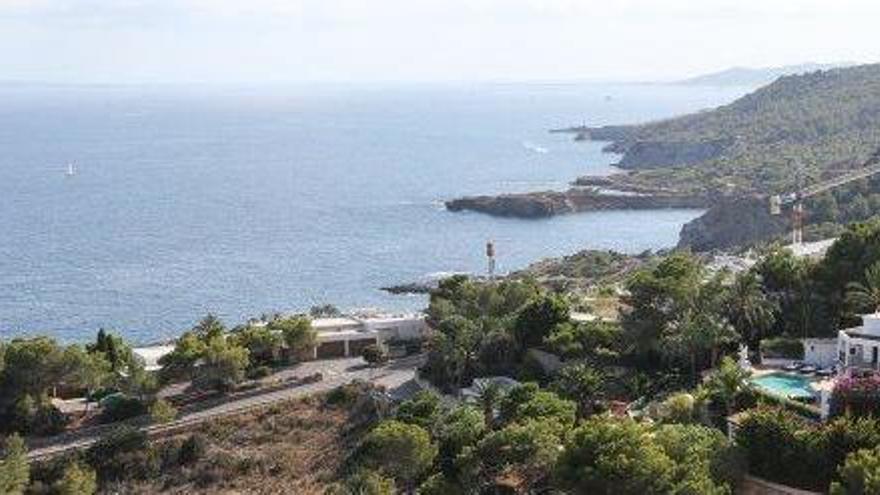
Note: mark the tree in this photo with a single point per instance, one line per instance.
(14, 470)
(113, 349)
(33, 366)
(209, 328)
(422, 410)
(263, 344)
(222, 367)
(695, 333)
(527, 450)
(596, 341)
(180, 363)
(374, 354)
(529, 402)
(86, 370)
(365, 482)
(298, 334)
(461, 429)
(324, 311)
(538, 318)
(860, 475)
(454, 352)
(77, 479)
(608, 456)
(748, 309)
(865, 297)
(582, 384)
(622, 456)
(726, 382)
(657, 298)
(400, 450)
(489, 399)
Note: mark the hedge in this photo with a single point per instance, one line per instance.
(782, 347)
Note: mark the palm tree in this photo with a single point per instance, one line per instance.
(749, 310)
(490, 394)
(696, 333)
(865, 296)
(726, 382)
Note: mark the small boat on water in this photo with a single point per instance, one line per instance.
(535, 148)
(71, 170)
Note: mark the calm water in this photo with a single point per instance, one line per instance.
(241, 201)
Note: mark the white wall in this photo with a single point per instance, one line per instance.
(820, 352)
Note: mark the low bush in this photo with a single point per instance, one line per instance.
(122, 407)
(124, 453)
(806, 410)
(374, 354)
(259, 372)
(161, 411)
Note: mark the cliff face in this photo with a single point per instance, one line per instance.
(650, 154)
(546, 204)
(731, 223)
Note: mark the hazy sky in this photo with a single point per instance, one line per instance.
(422, 40)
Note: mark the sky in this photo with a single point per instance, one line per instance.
(279, 41)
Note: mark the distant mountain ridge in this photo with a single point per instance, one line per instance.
(757, 76)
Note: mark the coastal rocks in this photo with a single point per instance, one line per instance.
(733, 222)
(547, 204)
(411, 288)
(527, 205)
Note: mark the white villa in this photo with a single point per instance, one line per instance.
(347, 336)
(338, 337)
(859, 347)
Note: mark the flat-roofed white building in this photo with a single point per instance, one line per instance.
(348, 335)
(859, 347)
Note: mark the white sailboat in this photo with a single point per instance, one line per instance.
(71, 170)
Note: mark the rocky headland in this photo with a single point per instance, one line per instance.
(550, 203)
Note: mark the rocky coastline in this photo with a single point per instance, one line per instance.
(545, 204)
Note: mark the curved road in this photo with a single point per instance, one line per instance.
(335, 372)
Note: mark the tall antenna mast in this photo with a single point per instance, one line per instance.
(490, 255)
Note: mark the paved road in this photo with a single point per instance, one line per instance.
(335, 372)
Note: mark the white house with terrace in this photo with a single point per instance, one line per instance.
(348, 335)
(859, 347)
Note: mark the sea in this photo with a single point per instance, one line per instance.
(142, 208)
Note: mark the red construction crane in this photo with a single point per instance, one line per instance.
(796, 199)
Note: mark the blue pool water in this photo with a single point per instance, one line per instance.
(786, 385)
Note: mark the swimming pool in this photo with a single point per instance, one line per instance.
(786, 385)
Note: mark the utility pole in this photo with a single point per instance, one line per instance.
(490, 256)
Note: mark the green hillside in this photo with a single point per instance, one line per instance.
(827, 120)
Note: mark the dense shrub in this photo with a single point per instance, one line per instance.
(76, 480)
(422, 410)
(124, 453)
(365, 482)
(785, 448)
(400, 450)
(374, 354)
(856, 396)
(609, 455)
(161, 411)
(860, 475)
(782, 447)
(259, 372)
(782, 347)
(122, 407)
(14, 470)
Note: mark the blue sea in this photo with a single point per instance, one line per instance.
(239, 201)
